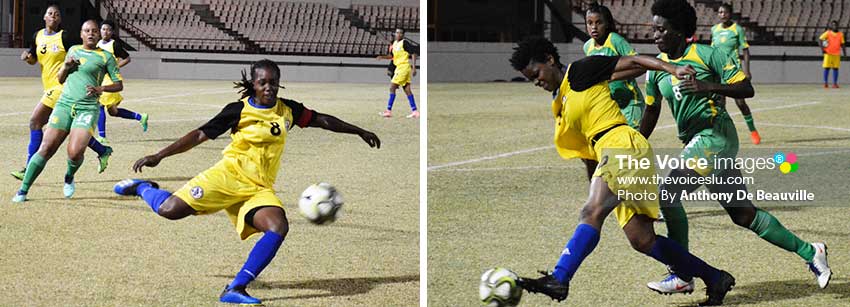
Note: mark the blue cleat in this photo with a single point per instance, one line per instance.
(19, 197)
(237, 295)
(68, 190)
(128, 187)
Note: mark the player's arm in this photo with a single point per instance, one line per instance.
(121, 55)
(71, 63)
(734, 83)
(653, 107)
(329, 122)
(30, 56)
(413, 64)
(226, 120)
(746, 62)
(630, 67)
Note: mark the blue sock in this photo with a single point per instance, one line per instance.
(683, 263)
(835, 76)
(390, 102)
(826, 76)
(412, 102)
(583, 242)
(261, 255)
(35, 143)
(154, 197)
(101, 123)
(97, 147)
(124, 113)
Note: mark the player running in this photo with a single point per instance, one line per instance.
(589, 125)
(831, 41)
(709, 133)
(76, 111)
(110, 101)
(403, 55)
(49, 49)
(242, 183)
(728, 37)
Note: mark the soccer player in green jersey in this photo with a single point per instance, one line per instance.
(76, 111)
(604, 40)
(728, 36)
(706, 128)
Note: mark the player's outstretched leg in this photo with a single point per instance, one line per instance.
(127, 114)
(103, 154)
(768, 227)
(272, 222)
(53, 138)
(641, 234)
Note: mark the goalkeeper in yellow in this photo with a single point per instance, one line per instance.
(589, 125)
(241, 183)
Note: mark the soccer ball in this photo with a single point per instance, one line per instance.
(499, 289)
(320, 203)
(824, 43)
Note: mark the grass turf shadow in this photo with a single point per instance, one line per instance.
(332, 287)
(779, 290)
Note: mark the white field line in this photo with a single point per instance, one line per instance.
(536, 149)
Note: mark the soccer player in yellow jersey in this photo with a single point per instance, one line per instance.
(110, 101)
(589, 125)
(728, 36)
(403, 54)
(831, 41)
(48, 49)
(242, 183)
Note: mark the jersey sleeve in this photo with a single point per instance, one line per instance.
(67, 40)
(301, 115)
(622, 46)
(32, 46)
(409, 47)
(742, 37)
(651, 88)
(591, 70)
(225, 120)
(725, 67)
(823, 36)
(119, 50)
(112, 69)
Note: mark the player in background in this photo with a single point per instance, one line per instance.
(831, 41)
(589, 125)
(242, 183)
(403, 54)
(729, 37)
(76, 111)
(709, 133)
(48, 50)
(110, 101)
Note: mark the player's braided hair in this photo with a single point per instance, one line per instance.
(246, 86)
(679, 13)
(602, 10)
(533, 48)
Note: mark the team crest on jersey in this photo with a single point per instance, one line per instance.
(197, 192)
(83, 61)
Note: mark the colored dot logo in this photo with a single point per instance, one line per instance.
(787, 162)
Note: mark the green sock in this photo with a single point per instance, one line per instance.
(34, 168)
(677, 223)
(769, 229)
(73, 166)
(750, 123)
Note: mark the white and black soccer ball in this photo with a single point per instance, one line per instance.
(824, 43)
(320, 203)
(499, 288)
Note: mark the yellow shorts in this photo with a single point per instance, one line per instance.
(110, 99)
(636, 197)
(51, 96)
(401, 77)
(831, 61)
(221, 188)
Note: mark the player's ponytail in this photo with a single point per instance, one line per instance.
(246, 86)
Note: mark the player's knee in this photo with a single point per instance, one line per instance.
(591, 214)
(642, 242)
(280, 227)
(113, 111)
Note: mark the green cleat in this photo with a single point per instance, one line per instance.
(104, 160)
(19, 174)
(19, 197)
(144, 122)
(101, 140)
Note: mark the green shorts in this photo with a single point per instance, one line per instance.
(634, 113)
(66, 117)
(717, 145)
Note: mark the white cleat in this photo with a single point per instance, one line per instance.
(819, 265)
(672, 284)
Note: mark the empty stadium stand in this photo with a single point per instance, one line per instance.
(273, 27)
